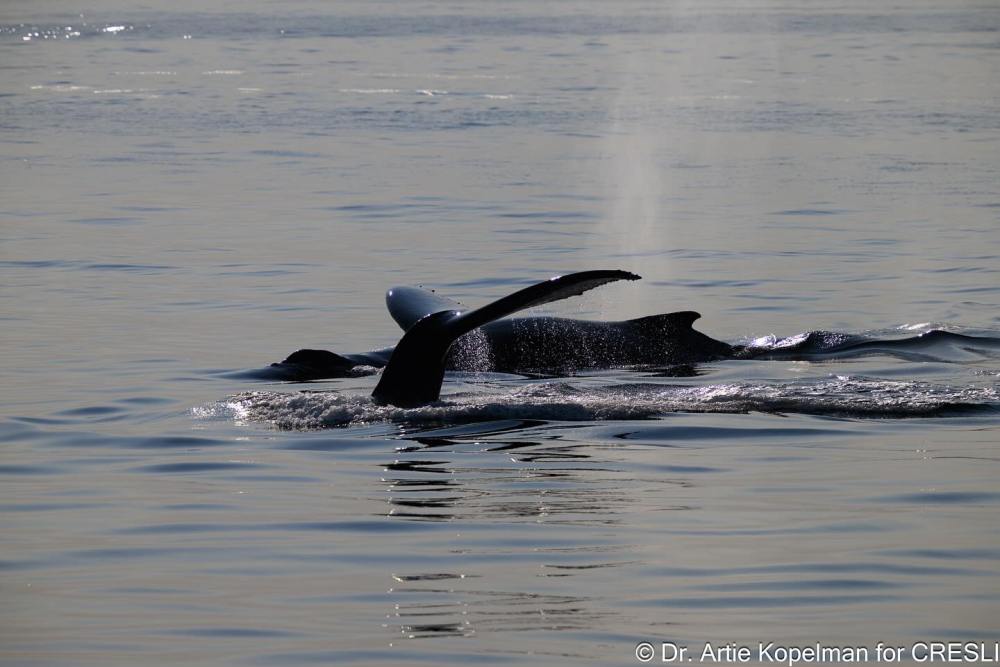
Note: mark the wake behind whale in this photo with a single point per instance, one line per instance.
(838, 396)
(931, 345)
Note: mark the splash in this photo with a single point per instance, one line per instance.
(472, 352)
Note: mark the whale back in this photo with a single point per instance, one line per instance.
(555, 344)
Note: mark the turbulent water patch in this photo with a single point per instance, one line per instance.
(839, 395)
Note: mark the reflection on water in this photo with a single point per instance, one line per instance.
(544, 483)
(543, 475)
(552, 482)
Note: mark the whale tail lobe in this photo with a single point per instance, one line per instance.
(415, 371)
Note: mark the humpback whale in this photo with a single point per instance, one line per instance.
(435, 328)
(524, 344)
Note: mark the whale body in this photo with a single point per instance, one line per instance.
(524, 344)
(441, 334)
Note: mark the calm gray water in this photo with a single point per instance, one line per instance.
(194, 189)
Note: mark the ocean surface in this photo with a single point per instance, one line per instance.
(190, 190)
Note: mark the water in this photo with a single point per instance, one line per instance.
(191, 190)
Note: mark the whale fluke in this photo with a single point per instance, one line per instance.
(409, 305)
(416, 368)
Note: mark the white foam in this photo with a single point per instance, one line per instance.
(61, 88)
(557, 401)
(434, 75)
(146, 73)
(370, 91)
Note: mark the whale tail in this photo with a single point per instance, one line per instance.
(415, 371)
(409, 305)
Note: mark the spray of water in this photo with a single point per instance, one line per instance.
(636, 153)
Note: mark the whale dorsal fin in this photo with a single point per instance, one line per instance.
(408, 305)
(684, 319)
(416, 369)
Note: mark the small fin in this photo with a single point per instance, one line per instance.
(415, 371)
(684, 319)
(408, 305)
